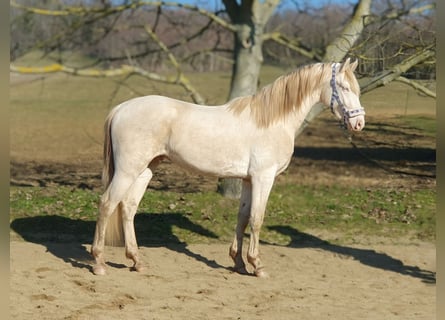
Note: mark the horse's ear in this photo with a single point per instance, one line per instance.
(345, 65)
(354, 65)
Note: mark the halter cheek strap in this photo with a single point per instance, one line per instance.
(335, 95)
(347, 114)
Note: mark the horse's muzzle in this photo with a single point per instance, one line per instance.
(356, 123)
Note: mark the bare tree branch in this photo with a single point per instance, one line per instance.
(82, 11)
(396, 14)
(181, 42)
(416, 85)
(395, 71)
(292, 44)
(90, 72)
(124, 70)
(181, 78)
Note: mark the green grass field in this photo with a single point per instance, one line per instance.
(350, 214)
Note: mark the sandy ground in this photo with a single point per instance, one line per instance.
(54, 281)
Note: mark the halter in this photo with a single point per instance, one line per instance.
(347, 114)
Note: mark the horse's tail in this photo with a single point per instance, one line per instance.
(114, 235)
(108, 159)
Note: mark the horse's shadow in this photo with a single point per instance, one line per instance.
(65, 238)
(365, 256)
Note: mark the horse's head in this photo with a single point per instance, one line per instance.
(344, 93)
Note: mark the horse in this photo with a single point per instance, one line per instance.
(250, 138)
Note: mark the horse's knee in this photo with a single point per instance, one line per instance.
(104, 208)
(255, 227)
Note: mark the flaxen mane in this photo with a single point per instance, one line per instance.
(276, 100)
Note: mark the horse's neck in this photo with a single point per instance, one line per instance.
(301, 113)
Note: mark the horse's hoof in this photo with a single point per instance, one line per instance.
(138, 267)
(99, 270)
(261, 274)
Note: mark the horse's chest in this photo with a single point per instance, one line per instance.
(269, 154)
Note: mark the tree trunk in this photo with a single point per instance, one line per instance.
(246, 69)
(249, 18)
(341, 45)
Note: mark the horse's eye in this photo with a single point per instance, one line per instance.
(344, 88)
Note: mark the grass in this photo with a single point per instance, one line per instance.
(427, 125)
(350, 214)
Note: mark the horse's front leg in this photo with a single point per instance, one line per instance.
(261, 187)
(243, 219)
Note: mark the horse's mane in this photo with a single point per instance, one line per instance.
(276, 100)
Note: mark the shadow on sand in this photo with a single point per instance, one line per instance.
(65, 238)
(365, 256)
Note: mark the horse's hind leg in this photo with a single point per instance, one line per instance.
(129, 207)
(243, 219)
(108, 204)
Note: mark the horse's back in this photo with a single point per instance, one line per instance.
(148, 104)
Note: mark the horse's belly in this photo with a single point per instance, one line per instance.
(211, 162)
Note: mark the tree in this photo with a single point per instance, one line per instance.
(135, 37)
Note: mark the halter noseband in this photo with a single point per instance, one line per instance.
(347, 114)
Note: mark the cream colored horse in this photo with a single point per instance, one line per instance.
(251, 138)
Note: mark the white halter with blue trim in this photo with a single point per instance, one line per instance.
(347, 114)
